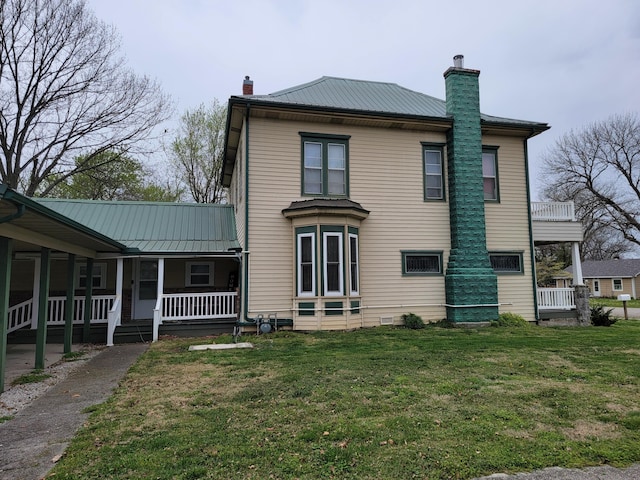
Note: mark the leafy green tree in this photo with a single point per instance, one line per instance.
(111, 176)
(197, 152)
(66, 93)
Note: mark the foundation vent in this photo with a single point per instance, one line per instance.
(386, 320)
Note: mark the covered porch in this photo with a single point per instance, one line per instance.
(81, 266)
(555, 222)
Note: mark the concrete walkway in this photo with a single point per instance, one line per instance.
(42, 431)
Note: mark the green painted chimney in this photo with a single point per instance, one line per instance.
(471, 285)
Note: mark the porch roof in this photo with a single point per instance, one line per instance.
(32, 225)
(156, 227)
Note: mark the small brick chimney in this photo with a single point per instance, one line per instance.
(247, 86)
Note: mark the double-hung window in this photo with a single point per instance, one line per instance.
(332, 263)
(433, 171)
(490, 173)
(199, 274)
(98, 279)
(306, 262)
(337, 272)
(325, 165)
(354, 270)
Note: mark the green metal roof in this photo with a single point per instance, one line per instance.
(368, 96)
(154, 227)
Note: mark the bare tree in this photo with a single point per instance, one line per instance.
(197, 152)
(599, 168)
(66, 94)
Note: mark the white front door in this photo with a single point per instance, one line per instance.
(145, 289)
(596, 288)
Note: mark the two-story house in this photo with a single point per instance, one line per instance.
(358, 201)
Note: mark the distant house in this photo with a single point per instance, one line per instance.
(610, 278)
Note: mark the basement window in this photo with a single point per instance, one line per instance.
(421, 263)
(506, 262)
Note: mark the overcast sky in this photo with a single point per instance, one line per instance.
(563, 62)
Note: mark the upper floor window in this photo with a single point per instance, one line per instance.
(325, 165)
(433, 172)
(490, 173)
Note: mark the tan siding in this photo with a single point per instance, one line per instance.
(507, 224)
(386, 178)
(606, 287)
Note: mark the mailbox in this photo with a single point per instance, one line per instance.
(625, 297)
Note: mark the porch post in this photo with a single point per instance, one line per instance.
(160, 277)
(119, 275)
(6, 245)
(86, 326)
(577, 265)
(36, 293)
(43, 307)
(69, 304)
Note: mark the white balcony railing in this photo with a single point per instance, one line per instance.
(553, 211)
(556, 298)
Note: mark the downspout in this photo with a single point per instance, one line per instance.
(245, 263)
(531, 241)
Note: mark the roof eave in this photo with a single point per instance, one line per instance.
(16, 198)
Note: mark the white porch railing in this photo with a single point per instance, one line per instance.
(553, 211)
(100, 306)
(19, 315)
(556, 298)
(193, 306)
(113, 320)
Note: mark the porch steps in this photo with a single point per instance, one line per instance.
(131, 332)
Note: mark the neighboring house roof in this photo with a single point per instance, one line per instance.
(155, 227)
(355, 97)
(623, 267)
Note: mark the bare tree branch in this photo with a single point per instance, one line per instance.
(64, 93)
(599, 168)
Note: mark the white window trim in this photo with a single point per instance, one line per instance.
(99, 271)
(340, 292)
(357, 263)
(613, 285)
(188, 274)
(311, 235)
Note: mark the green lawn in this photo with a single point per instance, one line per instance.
(383, 403)
(613, 302)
